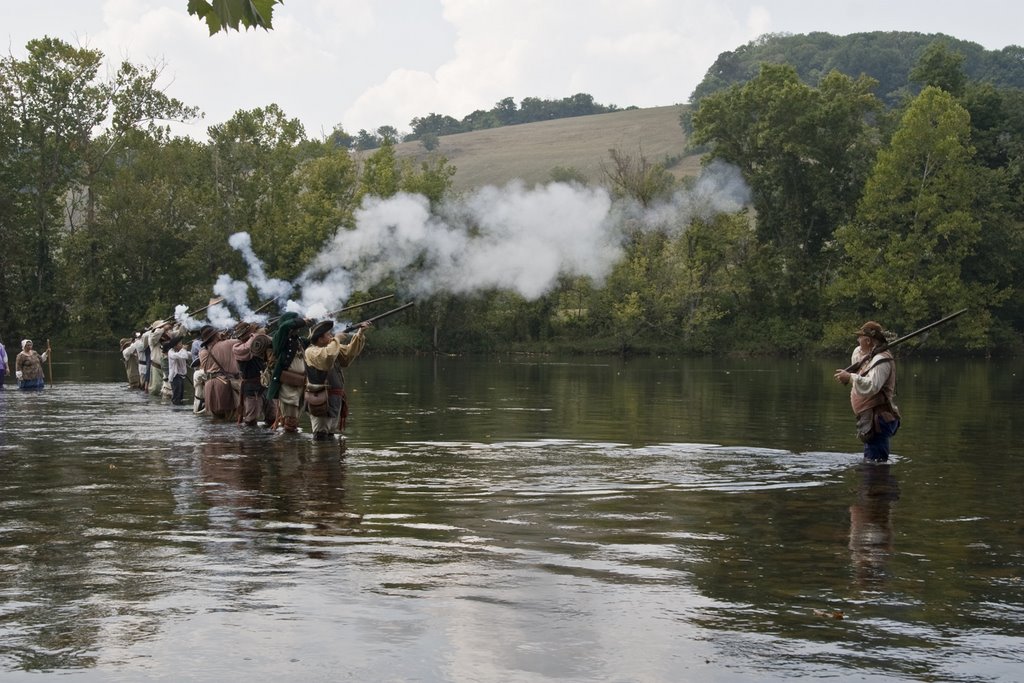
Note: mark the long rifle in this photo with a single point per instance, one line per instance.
(273, 321)
(263, 305)
(359, 305)
(894, 342)
(190, 313)
(385, 314)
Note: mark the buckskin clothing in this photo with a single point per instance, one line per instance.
(323, 369)
(223, 379)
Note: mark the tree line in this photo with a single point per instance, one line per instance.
(857, 211)
(427, 129)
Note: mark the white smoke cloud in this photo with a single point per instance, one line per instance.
(266, 287)
(510, 238)
(720, 188)
(184, 319)
(499, 238)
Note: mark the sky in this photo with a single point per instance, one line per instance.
(362, 64)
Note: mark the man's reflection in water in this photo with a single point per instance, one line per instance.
(269, 484)
(871, 522)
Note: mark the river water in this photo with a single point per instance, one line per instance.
(519, 519)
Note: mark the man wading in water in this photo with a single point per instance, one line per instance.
(872, 390)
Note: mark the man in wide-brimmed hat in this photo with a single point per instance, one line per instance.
(872, 391)
(326, 355)
(223, 383)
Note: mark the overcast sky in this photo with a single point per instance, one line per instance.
(367, 63)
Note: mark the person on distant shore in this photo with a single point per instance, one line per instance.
(29, 365)
(325, 358)
(872, 391)
(5, 366)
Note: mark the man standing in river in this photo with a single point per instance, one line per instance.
(872, 389)
(326, 401)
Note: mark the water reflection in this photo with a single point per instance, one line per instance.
(278, 484)
(871, 530)
(497, 521)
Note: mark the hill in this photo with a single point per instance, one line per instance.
(886, 56)
(530, 151)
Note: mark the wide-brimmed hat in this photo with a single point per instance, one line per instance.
(320, 328)
(207, 333)
(242, 330)
(260, 345)
(873, 330)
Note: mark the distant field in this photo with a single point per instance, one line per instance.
(530, 151)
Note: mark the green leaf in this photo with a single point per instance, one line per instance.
(222, 15)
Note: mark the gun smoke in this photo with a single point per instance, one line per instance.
(510, 238)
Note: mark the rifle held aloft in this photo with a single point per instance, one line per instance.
(273, 321)
(885, 347)
(385, 314)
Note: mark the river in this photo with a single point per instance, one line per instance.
(519, 519)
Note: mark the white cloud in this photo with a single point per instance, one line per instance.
(367, 63)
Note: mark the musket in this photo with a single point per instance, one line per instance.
(191, 313)
(273, 321)
(900, 340)
(385, 314)
(359, 305)
(263, 305)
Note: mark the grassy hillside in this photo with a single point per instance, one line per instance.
(530, 151)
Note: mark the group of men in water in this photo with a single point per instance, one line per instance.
(249, 375)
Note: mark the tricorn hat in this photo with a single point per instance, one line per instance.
(320, 328)
(873, 330)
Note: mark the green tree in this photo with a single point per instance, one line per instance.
(636, 177)
(941, 67)
(903, 254)
(381, 175)
(432, 178)
(805, 153)
(254, 155)
(326, 190)
(130, 264)
(52, 104)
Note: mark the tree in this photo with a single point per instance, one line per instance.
(940, 67)
(636, 177)
(222, 15)
(430, 141)
(254, 155)
(915, 226)
(805, 153)
(52, 104)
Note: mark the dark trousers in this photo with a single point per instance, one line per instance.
(178, 390)
(877, 448)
